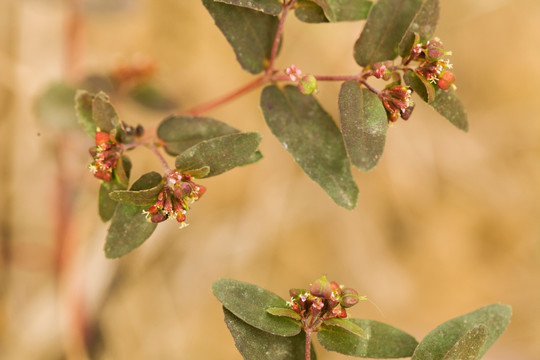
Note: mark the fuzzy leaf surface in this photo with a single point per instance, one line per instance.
(138, 198)
(178, 133)
(249, 32)
(220, 154)
(420, 85)
(83, 110)
(104, 114)
(439, 341)
(469, 345)
(310, 135)
(280, 311)
(309, 12)
(270, 7)
(250, 303)
(423, 24)
(447, 103)
(363, 124)
(345, 10)
(129, 226)
(381, 341)
(255, 344)
(106, 205)
(386, 24)
(347, 325)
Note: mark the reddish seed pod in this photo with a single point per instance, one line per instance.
(294, 293)
(159, 217)
(181, 218)
(446, 79)
(201, 190)
(349, 297)
(321, 288)
(342, 314)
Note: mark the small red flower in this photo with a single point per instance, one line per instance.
(106, 154)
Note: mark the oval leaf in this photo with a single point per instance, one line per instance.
(179, 133)
(363, 124)
(129, 226)
(270, 7)
(309, 12)
(308, 132)
(250, 33)
(423, 25)
(470, 344)
(381, 341)
(250, 303)
(150, 97)
(345, 10)
(103, 113)
(420, 85)
(448, 105)
(137, 198)
(280, 311)
(255, 344)
(347, 325)
(83, 109)
(220, 154)
(386, 24)
(438, 342)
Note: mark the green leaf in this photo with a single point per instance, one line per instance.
(347, 325)
(363, 124)
(423, 24)
(54, 106)
(250, 33)
(386, 24)
(138, 198)
(148, 96)
(382, 340)
(420, 85)
(309, 12)
(448, 105)
(308, 132)
(345, 10)
(469, 345)
(106, 205)
(104, 114)
(270, 7)
(288, 312)
(129, 226)
(255, 344)
(250, 303)
(83, 109)
(198, 173)
(220, 154)
(438, 342)
(178, 133)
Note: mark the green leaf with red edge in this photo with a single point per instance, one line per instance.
(250, 33)
(345, 10)
(104, 114)
(363, 124)
(381, 340)
(129, 226)
(447, 104)
(270, 7)
(310, 135)
(469, 345)
(220, 154)
(106, 205)
(309, 12)
(420, 85)
(423, 24)
(83, 109)
(250, 302)
(440, 341)
(386, 24)
(255, 344)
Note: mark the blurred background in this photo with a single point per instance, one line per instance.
(448, 221)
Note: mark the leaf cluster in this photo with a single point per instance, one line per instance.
(260, 332)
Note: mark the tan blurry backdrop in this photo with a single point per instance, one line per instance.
(447, 222)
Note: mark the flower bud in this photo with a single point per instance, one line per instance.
(308, 85)
(321, 288)
(101, 137)
(434, 50)
(446, 79)
(159, 217)
(349, 297)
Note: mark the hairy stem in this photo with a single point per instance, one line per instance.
(308, 344)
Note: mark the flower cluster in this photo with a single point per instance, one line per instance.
(173, 201)
(307, 84)
(324, 300)
(432, 65)
(397, 102)
(106, 154)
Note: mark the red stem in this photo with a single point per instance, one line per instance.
(307, 347)
(277, 38)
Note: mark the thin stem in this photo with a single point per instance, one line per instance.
(308, 344)
(225, 98)
(155, 150)
(370, 88)
(275, 46)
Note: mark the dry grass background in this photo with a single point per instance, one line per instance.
(447, 222)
